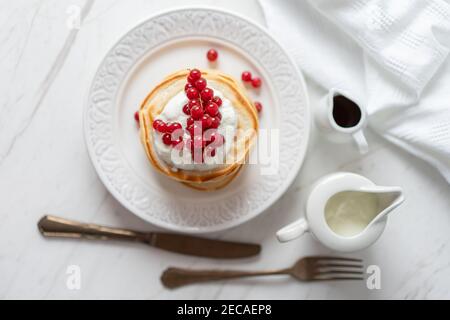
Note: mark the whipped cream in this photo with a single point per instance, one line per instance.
(173, 112)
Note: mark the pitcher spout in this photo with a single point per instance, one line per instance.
(389, 198)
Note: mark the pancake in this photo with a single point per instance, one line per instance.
(247, 127)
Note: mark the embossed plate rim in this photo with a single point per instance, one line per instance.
(237, 219)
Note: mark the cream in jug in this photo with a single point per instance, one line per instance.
(348, 213)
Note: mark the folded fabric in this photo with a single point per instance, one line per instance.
(392, 56)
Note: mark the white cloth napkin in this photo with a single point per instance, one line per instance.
(391, 55)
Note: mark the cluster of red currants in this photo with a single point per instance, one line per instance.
(256, 82)
(204, 118)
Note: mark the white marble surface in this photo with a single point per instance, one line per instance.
(45, 70)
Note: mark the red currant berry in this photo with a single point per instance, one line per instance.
(160, 126)
(189, 122)
(212, 55)
(178, 143)
(186, 109)
(258, 106)
(136, 116)
(219, 115)
(246, 76)
(217, 101)
(201, 84)
(157, 123)
(197, 112)
(195, 74)
(188, 86)
(192, 93)
(206, 121)
(256, 82)
(173, 126)
(167, 139)
(193, 103)
(177, 126)
(212, 109)
(207, 94)
(215, 122)
(191, 81)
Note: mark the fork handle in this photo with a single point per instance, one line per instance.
(176, 277)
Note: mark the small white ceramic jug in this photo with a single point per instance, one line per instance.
(345, 212)
(342, 119)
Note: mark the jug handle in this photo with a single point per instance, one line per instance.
(361, 142)
(292, 231)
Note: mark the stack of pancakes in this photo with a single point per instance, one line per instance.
(246, 130)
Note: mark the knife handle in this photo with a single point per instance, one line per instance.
(56, 227)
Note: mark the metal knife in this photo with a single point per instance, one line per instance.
(51, 226)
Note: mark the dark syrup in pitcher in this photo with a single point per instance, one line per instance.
(346, 113)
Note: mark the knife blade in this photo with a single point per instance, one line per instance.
(202, 247)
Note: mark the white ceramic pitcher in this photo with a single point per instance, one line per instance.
(383, 199)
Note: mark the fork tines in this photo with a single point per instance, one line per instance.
(338, 268)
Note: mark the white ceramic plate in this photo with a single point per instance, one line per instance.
(177, 40)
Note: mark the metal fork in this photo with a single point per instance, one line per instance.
(306, 269)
